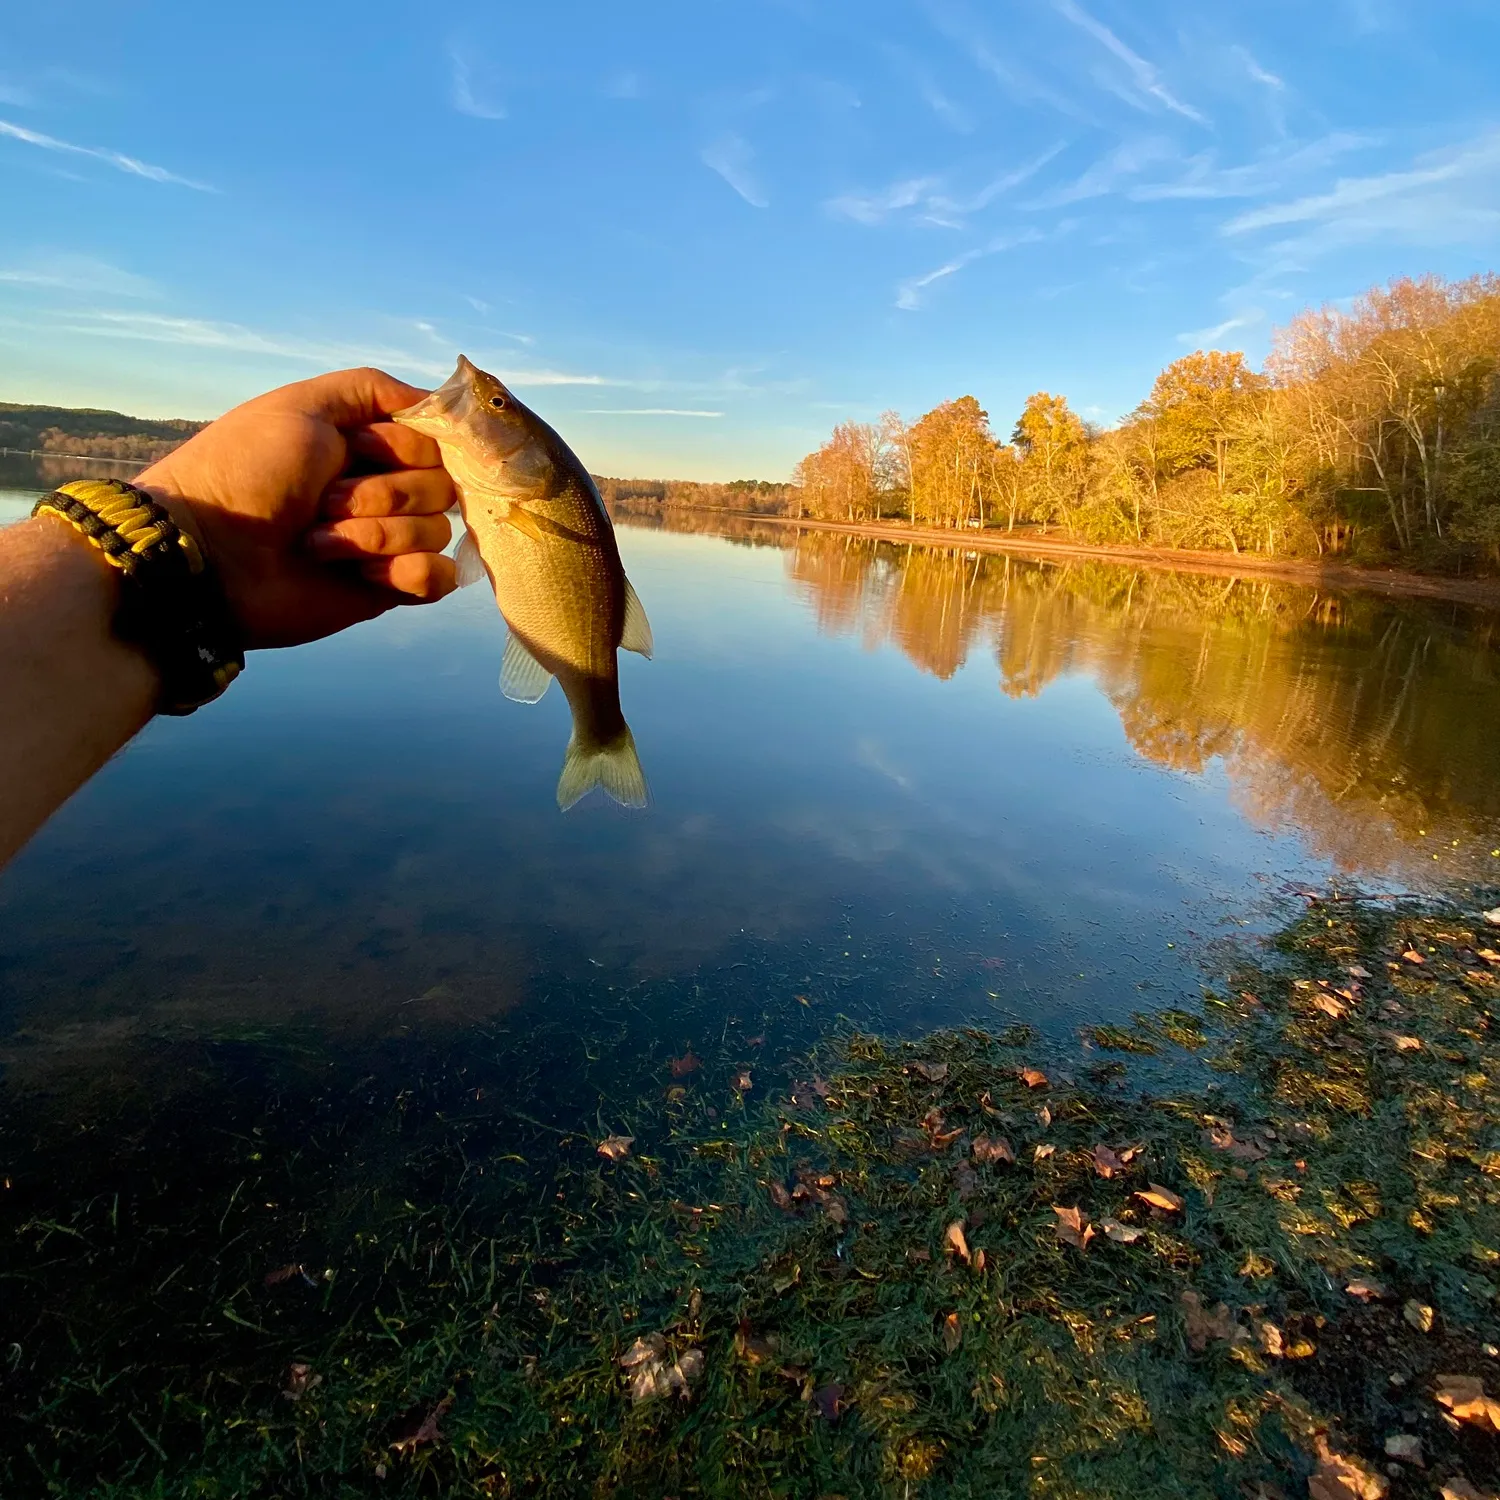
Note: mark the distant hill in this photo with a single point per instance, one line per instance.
(88, 430)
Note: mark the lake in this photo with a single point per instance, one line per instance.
(313, 1006)
(912, 787)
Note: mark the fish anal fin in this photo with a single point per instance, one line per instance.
(468, 562)
(637, 632)
(615, 767)
(523, 679)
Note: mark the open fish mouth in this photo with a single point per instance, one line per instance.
(444, 409)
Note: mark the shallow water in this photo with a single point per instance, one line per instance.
(911, 787)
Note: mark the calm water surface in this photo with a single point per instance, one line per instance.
(910, 787)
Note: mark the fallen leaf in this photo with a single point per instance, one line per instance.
(427, 1431)
(1413, 957)
(988, 1106)
(781, 1197)
(1489, 955)
(954, 1241)
(1203, 1324)
(1033, 1078)
(965, 1181)
(1122, 1234)
(1493, 916)
(979, 1259)
(1270, 1338)
(1464, 1396)
(1406, 1447)
(742, 1083)
(932, 1123)
(1041, 1153)
(687, 1063)
(1222, 1138)
(822, 1088)
(1459, 1488)
(654, 1372)
(829, 1401)
(615, 1147)
(1418, 1315)
(992, 1149)
(953, 1333)
(1106, 1163)
(932, 1072)
(755, 1041)
(282, 1273)
(1405, 1043)
(1045, 1116)
(1340, 1476)
(1357, 971)
(1159, 1197)
(1328, 1005)
(1073, 1227)
(1366, 1289)
(299, 1381)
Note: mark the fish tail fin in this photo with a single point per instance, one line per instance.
(616, 767)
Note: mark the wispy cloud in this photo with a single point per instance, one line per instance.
(733, 158)
(930, 198)
(1110, 174)
(1209, 336)
(1449, 197)
(78, 273)
(1144, 77)
(1258, 73)
(961, 28)
(235, 338)
(645, 411)
(909, 292)
(1202, 177)
(116, 159)
(877, 206)
(462, 92)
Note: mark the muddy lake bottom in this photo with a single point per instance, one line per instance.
(314, 1014)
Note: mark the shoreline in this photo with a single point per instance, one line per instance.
(1481, 592)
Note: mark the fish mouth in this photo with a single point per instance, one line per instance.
(440, 411)
(455, 405)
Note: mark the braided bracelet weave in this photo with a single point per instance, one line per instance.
(171, 605)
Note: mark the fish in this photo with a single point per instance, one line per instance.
(535, 526)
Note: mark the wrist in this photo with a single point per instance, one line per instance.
(168, 602)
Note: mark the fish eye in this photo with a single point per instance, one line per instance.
(498, 402)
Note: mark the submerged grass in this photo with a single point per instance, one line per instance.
(862, 1294)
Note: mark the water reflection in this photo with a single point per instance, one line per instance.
(1367, 727)
(1090, 772)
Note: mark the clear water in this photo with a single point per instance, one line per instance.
(908, 787)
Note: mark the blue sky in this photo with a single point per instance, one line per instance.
(769, 216)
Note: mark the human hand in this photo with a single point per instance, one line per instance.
(315, 512)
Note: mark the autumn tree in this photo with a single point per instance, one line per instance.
(1053, 445)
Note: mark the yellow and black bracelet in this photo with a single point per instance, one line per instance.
(171, 605)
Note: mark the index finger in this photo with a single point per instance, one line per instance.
(389, 445)
(355, 398)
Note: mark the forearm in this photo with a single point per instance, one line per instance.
(71, 693)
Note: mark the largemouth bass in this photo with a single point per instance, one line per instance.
(536, 527)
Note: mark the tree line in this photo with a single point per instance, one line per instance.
(92, 432)
(1373, 431)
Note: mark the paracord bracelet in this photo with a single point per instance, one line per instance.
(171, 605)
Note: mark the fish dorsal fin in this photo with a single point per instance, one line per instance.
(467, 560)
(637, 633)
(524, 522)
(523, 679)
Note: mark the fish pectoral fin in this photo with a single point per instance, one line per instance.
(467, 561)
(637, 633)
(616, 767)
(524, 522)
(523, 679)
